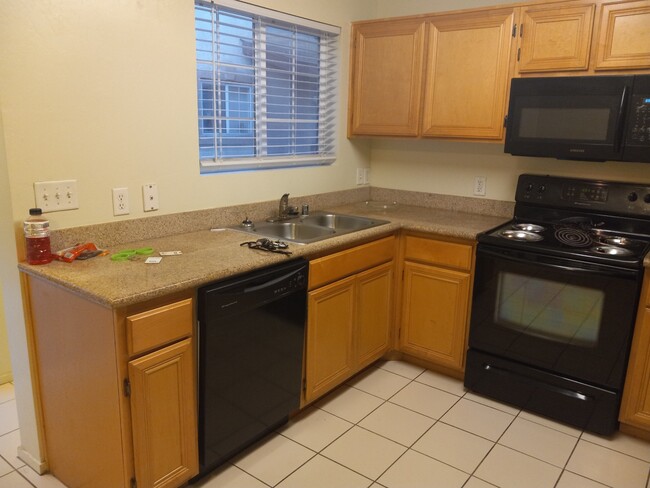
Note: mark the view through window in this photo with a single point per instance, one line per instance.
(267, 86)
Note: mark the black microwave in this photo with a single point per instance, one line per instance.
(593, 118)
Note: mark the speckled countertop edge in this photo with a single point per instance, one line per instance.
(213, 255)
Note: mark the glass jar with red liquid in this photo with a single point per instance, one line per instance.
(37, 238)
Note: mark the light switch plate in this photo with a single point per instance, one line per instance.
(53, 196)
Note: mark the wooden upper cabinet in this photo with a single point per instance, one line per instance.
(386, 78)
(467, 74)
(556, 38)
(624, 36)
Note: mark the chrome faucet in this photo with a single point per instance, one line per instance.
(284, 206)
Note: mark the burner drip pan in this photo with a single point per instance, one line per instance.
(529, 227)
(616, 241)
(611, 251)
(521, 235)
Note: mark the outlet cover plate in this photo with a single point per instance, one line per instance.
(54, 196)
(479, 185)
(121, 201)
(150, 197)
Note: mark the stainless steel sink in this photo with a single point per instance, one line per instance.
(341, 222)
(311, 228)
(292, 231)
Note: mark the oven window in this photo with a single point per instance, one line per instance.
(556, 311)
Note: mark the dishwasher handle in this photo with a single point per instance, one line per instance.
(274, 282)
(247, 292)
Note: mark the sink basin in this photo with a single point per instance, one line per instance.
(340, 222)
(312, 228)
(292, 231)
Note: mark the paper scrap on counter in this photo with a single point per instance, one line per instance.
(153, 260)
(171, 253)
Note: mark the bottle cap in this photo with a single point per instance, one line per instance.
(35, 211)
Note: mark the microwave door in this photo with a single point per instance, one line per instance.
(568, 118)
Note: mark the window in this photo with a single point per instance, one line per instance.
(267, 86)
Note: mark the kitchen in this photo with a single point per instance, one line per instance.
(77, 106)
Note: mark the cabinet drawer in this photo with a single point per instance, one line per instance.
(338, 265)
(450, 254)
(160, 326)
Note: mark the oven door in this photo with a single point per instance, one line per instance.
(562, 316)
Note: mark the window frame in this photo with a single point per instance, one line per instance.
(326, 130)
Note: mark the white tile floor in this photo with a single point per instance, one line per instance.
(399, 426)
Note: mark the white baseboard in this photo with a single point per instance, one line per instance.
(37, 465)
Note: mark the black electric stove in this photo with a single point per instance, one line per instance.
(555, 297)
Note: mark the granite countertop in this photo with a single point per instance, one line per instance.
(212, 255)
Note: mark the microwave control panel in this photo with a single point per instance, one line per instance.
(639, 133)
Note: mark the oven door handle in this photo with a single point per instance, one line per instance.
(551, 262)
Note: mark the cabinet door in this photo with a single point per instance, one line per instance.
(635, 407)
(434, 314)
(555, 39)
(468, 74)
(330, 322)
(374, 312)
(624, 36)
(386, 78)
(164, 416)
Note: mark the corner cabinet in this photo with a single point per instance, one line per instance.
(467, 74)
(387, 64)
(349, 318)
(116, 388)
(435, 301)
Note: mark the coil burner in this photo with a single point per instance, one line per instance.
(573, 236)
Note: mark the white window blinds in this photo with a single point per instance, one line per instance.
(267, 88)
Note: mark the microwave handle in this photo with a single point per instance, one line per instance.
(618, 137)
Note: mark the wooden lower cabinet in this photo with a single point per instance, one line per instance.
(164, 416)
(374, 309)
(435, 301)
(88, 358)
(635, 407)
(330, 326)
(349, 320)
(435, 312)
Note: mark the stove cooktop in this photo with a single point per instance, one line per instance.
(605, 222)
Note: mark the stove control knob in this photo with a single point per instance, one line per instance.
(541, 189)
(530, 187)
(632, 197)
(646, 199)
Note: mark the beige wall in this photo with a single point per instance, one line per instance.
(450, 167)
(5, 362)
(105, 93)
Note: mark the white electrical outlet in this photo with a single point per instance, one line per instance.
(53, 196)
(150, 197)
(121, 201)
(366, 176)
(479, 185)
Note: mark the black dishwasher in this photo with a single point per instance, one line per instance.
(251, 340)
